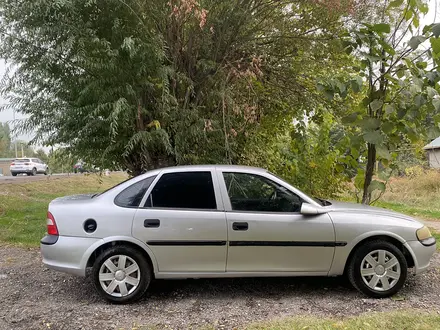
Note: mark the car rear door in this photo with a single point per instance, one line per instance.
(38, 165)
(266, 232)
(182, 220)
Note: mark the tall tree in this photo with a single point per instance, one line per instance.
(5, 140)
(399, 82)
(140, 85)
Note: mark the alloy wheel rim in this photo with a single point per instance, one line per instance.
(380, 270)
(119, 275)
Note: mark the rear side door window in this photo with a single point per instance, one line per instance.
(250, 192)
(132, 195)
(184, 190)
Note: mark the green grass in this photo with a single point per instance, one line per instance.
(398, 320)
(422, 212)
(437, 237)
(23, 207)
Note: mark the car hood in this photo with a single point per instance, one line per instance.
(361, 208)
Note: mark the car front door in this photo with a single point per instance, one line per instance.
(267, 233)
(35, 164)
(182, 220)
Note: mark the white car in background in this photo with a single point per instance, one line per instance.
(29, 166)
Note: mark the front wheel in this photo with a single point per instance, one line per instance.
(121, 274)
(378, 269)
(34, 171)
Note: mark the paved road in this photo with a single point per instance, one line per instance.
(25, 178)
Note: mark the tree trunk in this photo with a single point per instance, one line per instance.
(369, 171)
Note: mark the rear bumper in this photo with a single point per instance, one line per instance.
(66, 254)
(421, 255)
(21, 171)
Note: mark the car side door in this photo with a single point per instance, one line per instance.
(34, 163)
(267, 232)
(182, 220)
(40, 165)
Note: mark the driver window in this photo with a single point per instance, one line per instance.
(249, 192)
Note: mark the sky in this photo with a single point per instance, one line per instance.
(7, 116)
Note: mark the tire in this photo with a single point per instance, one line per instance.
(34, 171)
(46, 171)
(394, 275)
(142, 276)
(14, 174)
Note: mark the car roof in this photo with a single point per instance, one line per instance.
(187, 168)
(208, 167)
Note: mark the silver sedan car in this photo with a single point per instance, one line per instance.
(227, 221)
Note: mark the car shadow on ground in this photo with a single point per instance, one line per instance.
(254, 287)
(267, 287)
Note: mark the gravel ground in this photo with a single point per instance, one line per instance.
(36, 298)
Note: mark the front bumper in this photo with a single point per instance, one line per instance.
(421, 255)
(67, 254)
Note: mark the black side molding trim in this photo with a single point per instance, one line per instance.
(286, 243)
(49, 239)
(187, 243)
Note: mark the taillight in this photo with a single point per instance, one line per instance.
(12, 164)
(51, 225)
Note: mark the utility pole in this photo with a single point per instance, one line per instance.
(15, 135)
(22, 153)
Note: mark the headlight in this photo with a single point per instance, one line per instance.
(424, 236)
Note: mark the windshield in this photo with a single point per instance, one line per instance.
(321, 201)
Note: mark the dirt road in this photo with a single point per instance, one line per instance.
(35, 298)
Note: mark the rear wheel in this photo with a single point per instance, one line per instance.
(378, 269)
(14, 174)
(121, 274)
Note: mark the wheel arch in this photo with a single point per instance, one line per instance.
(399, 243)
(95, 250)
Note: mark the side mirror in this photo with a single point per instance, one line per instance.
(309, 209)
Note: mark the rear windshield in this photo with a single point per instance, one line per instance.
(101, 193)
(21, 161)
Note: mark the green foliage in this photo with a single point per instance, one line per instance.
(5, 141)
(139, 85)
(60, 161)
(278, 84)
(400, 101)
(311, 156)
